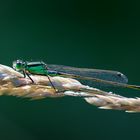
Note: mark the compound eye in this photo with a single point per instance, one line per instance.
(19, 64)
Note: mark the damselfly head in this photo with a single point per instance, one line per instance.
(18, 65)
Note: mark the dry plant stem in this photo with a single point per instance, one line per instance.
(13, 83)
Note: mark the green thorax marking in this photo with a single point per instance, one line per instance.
(36, 68)
(39, 68)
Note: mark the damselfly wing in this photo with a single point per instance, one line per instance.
(94, 77)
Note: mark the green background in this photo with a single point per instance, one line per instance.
(94, 34)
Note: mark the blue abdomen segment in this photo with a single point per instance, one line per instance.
(53, 73)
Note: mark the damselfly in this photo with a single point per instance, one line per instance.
(105, 77)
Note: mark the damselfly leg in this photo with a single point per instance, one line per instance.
(27, 74)
(51, 83)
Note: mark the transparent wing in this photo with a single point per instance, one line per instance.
(114, 76)
(94, 77)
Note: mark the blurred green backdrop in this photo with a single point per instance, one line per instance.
(94, 34)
